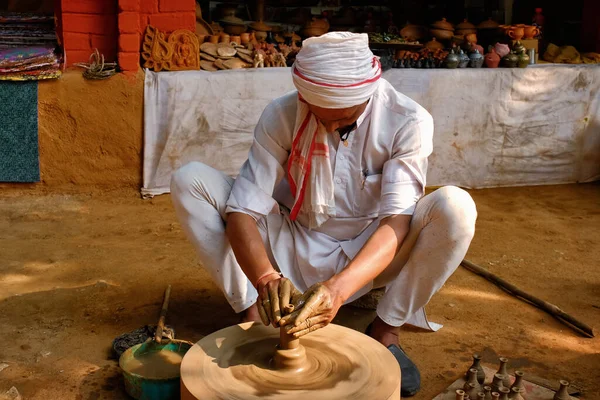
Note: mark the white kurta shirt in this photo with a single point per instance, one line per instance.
(378, 172)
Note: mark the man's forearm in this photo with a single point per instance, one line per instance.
(374, 257)
(248, 247)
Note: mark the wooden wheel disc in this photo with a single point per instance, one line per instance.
(236, 363)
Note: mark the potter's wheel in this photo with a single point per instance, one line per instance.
(251, 361)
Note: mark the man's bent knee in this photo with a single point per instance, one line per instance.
(186, 176)
(458, 206)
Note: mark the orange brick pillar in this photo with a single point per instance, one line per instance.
(85, 25)
(135, 15)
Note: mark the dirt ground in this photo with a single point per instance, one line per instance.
(78, 269)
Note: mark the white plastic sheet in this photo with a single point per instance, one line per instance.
(502, 127)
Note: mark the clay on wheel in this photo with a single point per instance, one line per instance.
(238, 362)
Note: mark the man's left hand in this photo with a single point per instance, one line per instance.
(314, 310)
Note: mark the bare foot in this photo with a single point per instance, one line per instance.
(251, 314)
(384, 333)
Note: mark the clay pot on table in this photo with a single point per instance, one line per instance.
(518, 47)
(489, 24)
(475, 59)
(245, 38)
(441, 34)
(516, 32)
(471, 38)
(452, 60)
(465, 25)
(235, 39)
(232, 29)
(224, 38)
(316, 27)
(260, 36)
(214, 39)
(477, 47)
(523, 59)
(463, 59)
(413, 32)
(502, 49)
(443, 25)
(465, 31)
(465, 28)
(434, 45)
(503, 29)
(511, 60)
(492, 59)
(530, 31)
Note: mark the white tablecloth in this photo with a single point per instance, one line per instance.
(502, 127)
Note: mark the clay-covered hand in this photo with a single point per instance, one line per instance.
(275, 297)
(314, 310)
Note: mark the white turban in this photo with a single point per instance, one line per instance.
(336, 70)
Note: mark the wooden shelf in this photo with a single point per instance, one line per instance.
(395, 46)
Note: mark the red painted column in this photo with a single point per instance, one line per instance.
(135, 15)
(129, 34)
(116, 27)
(85, 25)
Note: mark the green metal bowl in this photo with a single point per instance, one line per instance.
(144, 388)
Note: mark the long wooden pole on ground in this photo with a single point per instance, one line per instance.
(550, 308)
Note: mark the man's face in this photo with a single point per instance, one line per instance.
(336, 119)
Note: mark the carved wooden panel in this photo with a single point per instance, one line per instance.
(180, 51)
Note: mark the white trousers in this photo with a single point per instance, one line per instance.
(441, 230)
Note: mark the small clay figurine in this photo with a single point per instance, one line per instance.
(516, 394)
(280, 60)
(497, 383)
(502, 371)
(471, 378)
(504, 392)
(259, 60)
(473, 390)
(518, 383)
(563, 393)
(270, 60)
(488, 392)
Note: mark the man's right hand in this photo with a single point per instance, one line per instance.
(275, 296)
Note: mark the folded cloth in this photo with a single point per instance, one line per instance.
(25, 55)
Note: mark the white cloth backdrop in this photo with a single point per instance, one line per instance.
(503, 127)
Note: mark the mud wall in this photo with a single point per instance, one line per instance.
(90, 132)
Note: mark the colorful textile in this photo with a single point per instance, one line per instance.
(31, 63)
(35, 75)
(18, 56)
(21, 30)
(11, 17)
(19, 161)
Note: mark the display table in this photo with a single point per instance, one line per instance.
(493, 127)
